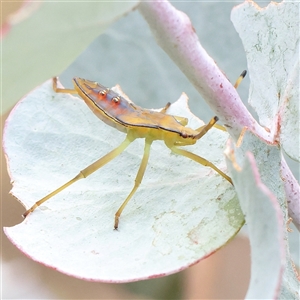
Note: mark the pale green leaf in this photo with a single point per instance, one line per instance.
(181, 213)
(271, 39)
(255, 170)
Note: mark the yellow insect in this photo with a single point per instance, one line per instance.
(136, 122)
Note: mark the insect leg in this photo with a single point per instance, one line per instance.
(138, 180)
(241, 77)
(59, 90)
(183, 121)
(85, 172)
(199, 160)
(166, 107)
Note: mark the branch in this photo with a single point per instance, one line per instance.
(176, 36)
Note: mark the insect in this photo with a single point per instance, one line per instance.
(136, 122)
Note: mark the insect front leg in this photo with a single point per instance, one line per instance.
(241, 77)
(199, 160)
(138, 180)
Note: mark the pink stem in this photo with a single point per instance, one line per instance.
(177, 37)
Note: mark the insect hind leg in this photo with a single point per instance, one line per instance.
(85, 172)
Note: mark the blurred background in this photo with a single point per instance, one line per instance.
(127, 54)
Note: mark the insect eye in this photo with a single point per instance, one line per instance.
(184, 134)
(116, 99)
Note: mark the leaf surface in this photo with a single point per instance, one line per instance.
(181, 213)
(255, 170)
(272, 41)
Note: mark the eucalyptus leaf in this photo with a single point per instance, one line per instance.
(181, 213)
(272, 41)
